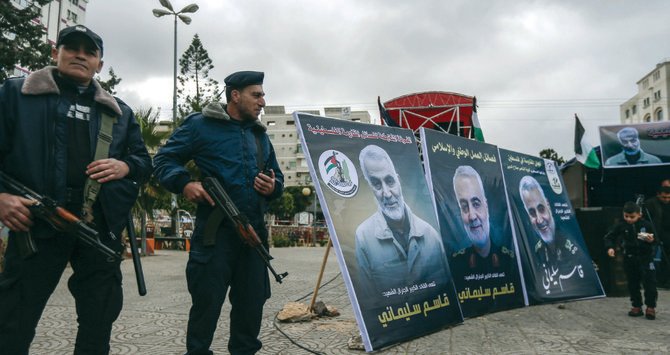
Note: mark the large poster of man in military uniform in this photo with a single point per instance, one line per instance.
(383, 227)
(469, 192)
(556, 263)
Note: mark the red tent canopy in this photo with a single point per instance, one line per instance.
(446, 111)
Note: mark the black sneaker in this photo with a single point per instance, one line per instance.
(636, 312)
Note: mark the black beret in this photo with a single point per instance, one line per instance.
(241, 79)
(66, 32)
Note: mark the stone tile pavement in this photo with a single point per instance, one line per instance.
(156, 323)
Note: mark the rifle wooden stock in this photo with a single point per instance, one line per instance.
(58, 217)
(241, 224)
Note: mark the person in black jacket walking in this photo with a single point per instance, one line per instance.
(634, 236)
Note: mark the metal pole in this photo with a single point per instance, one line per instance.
(174, 110)
(177, 224)
(174, 75)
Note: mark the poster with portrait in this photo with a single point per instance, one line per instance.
(643, 144)
(467, 184)
(383, 227)
(555, 260)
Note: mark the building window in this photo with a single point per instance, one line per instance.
(71, 16)
(627, 113)
(292, 165)
(645, 83)
(74, 2)
(22, 3)
(647, 118)
(657, 75)
(633, 110)
(290, 123)
(659, 115)
(271, 136)
(657, 95)
(645, 102)
(271, 123)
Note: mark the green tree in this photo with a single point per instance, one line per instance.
(282, 207)
(551, 154)
(152, 195)
(196, 89)
(285, 207)
(22, 40)
(110, 84)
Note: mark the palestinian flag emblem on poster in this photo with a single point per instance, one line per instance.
(338, 173)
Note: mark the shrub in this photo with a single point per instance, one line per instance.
(280, 241)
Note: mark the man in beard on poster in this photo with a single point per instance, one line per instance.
(395, 249)
(482, 256)
(562, 261)
(631, 153)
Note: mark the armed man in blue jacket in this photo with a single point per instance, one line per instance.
(229, 143)
(50, 123)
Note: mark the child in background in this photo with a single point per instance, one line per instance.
(634, 236)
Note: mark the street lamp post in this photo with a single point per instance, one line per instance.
(187, 20)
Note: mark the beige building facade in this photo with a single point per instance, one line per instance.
(650, 104)
(56, 15)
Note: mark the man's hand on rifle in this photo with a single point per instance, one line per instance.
(14, 212)
(265, 184)
(194, 192)
(104, 170)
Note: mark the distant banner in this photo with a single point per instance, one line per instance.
(469, 190)
(383, 227)
(555, 260)
(642, 144)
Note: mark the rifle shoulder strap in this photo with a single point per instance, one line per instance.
(260, 162)
(92, 187)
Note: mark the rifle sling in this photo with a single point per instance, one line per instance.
(92, 187)
(260, 162)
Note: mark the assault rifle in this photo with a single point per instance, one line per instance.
(58, 217)
(226, 208)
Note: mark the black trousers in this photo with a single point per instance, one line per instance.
(26, 284)
(663, 273)
(644, 273)
(210, 272)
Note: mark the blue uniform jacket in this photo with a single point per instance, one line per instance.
(225, 149)
(33, 146)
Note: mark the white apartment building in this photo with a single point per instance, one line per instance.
(56, 15)
(284, 136)
(650, 104)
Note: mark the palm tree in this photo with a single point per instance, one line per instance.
(152, 195)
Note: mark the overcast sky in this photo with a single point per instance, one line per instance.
(531, 64)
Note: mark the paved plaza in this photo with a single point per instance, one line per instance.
(156, 323)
